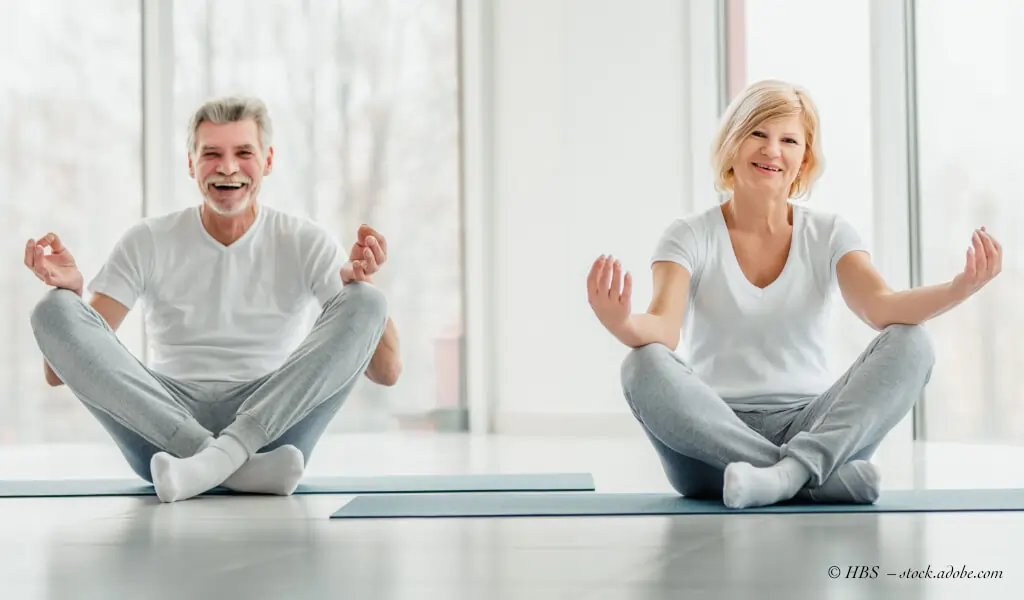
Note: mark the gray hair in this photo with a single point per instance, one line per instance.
(229, 110)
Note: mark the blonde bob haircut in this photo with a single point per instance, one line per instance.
(760, 102)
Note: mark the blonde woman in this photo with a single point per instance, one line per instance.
(747, 411)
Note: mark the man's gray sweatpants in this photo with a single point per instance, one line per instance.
(146, 412)
(697, 434)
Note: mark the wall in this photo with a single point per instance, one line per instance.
(591, 152)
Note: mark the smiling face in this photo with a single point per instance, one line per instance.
(228, 165)
(769, 141)
(772, 156)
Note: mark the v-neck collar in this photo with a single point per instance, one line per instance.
(198, 217)
(733, 263)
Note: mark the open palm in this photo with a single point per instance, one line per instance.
(610, 292)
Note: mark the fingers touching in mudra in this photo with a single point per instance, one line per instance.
(368, 254)
(983, 262)
(57, 267)
(609, 290)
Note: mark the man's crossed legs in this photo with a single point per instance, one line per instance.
(265, 429)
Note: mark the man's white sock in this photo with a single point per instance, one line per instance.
(182, 478)
(275, 472)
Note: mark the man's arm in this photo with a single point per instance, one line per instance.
(112, 311)
(386, 364)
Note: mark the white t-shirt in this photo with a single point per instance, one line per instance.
(224, 313)
(758, 346)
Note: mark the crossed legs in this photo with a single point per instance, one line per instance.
(706, 449)
(148, 414)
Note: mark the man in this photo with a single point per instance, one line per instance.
(242, 384)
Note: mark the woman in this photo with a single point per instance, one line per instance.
(748, 412)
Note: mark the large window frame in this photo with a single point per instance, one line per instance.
(895, 197)
(163, 146)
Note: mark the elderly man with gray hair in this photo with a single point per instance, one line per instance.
(259, 323)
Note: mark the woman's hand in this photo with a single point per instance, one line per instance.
(609, 293)
(984, 262)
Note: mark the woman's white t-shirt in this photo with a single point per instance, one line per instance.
(748, 343)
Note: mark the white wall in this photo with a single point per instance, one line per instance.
(590, 152)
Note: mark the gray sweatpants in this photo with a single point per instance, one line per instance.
(146, 412)
(697, 434)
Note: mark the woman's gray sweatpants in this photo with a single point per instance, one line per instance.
(697, 434)
(146, 412)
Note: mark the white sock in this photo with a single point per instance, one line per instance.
(275, 472)
(855, 482)
(746, 485)
(182, 478)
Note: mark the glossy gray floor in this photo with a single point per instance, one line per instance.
(106, 548)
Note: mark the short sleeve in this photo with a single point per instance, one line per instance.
(127, 270)
(678, 244)
(844, 239)
(323, 256)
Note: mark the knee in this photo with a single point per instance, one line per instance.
(366, 300)
(53, 311)
(641, 364)
(914, 342)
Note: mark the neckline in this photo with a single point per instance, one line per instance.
(734, 263)
(198, 218)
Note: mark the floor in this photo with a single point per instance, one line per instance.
(254, 548)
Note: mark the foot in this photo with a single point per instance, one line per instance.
(275, 472)
(182, 478)
(747, 486)
(855, 482)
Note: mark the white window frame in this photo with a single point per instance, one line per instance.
(896, 229)
(159, 137)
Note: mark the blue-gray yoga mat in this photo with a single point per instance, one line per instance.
(579, 505)
(384, 484)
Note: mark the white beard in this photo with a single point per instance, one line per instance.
(242, 206)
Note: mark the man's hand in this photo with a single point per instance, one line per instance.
(57, 268)
(368, 254)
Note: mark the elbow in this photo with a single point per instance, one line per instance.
(389, 375)
(883, 324)
(877, 314)
(672, 336)
(875, 322)
(51, 378)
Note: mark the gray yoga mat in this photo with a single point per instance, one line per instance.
(384, 484)
(578, 505)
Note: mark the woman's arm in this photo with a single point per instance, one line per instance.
(875, 303)
(610, 298)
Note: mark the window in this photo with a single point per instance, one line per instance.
(967, 95)
(827, 52)
(70, 109)
(364, 99)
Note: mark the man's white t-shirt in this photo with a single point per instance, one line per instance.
(757, 346)
(224, 313)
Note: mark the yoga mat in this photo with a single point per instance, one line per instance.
(401, 484)
(578, 505)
